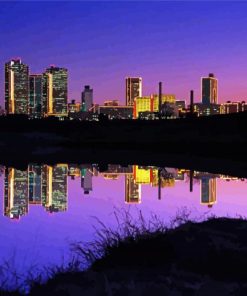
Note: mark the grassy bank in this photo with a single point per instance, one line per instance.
(139, 258)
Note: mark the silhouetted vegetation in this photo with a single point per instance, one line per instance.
(185, 257)
(204, 143)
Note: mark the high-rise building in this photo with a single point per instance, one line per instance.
(34, 184)
(133, 89)
(35, 94)
(209, 88)
(55, 92)
(16, 87)
(87, 98)
(15, 193)
(208, 191)
(86, 181)
(54, 187)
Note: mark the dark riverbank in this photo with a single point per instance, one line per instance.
(206, 258)
(217, 144)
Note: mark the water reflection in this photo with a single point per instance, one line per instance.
(47, 186)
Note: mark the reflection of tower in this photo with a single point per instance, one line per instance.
(86, 181)
(208, 191)
(54, 187)
(15, 193)
(34, 184)
(132, 190)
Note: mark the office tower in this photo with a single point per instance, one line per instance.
(86, 181)
(15, 193)
(35, 94)
(34, 184)
(133, 89)
(16, 87)
(208, 191)
(132, 190)
(209, 87)
(87, 98)
(54, 187)
(55, 92)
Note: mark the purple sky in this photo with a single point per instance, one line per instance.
(103, 42)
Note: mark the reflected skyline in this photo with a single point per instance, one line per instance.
(47, 186)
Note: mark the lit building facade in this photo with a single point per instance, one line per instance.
(15, 193)
(234, 107)
(55, 92)
(54, 187)
(209, 88)
(116, 112)
(132, 190)
(34, 184)
(142, 175)
(133, 89)
(206, 110)
(87, 98)
(111, 103)
(151, 103)
(35, 95)
(208, 191)
(16, 87)
(74, 107)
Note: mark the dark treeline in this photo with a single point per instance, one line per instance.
(210, 125)
(186, 142)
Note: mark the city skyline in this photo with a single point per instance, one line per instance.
(177, 53)
(47, 185)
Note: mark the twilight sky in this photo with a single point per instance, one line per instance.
(103, 42)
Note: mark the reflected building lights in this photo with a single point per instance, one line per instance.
(132, 190)
(15, 193)
(46, 185)
(208, 191)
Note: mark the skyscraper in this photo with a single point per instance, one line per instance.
(209, 87)
(86, 181)
(87, 98)
(133, 89)
(35, 94)
(54, 187)
(34, 184)
(208, 191)
(55, 91)
(16, 87)
(15, 193)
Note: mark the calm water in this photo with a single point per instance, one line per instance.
(46, 208)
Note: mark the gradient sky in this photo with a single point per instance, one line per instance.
(103, 42)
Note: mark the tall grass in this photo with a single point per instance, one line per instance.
(128, 230)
